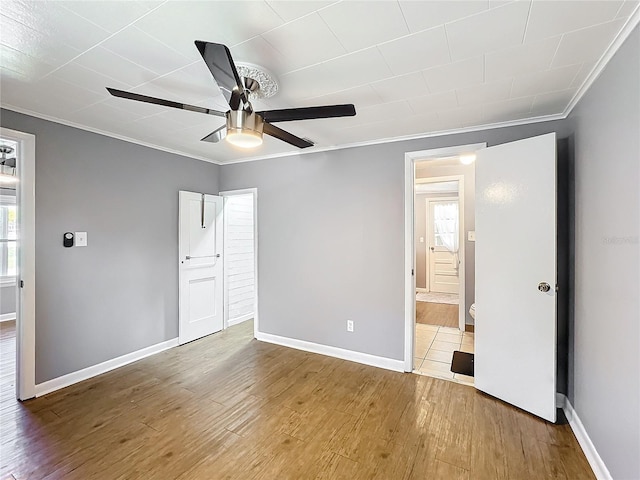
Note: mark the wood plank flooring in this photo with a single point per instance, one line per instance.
(230, 407)
(440, 314)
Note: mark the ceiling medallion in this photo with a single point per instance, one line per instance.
(266, 87)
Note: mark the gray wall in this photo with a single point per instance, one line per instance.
(605, 388)
(8, 292)
(331, 239)
(119, 294)
(436, 169)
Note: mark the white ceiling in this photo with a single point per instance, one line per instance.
(410, 67)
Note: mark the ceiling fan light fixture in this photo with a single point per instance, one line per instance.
(244, 138)
(244, 129)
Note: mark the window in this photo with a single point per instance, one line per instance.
(8, 237)
(445, 224)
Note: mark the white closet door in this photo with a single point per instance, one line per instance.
(200, 268)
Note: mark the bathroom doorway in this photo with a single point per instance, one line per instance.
(443, 246)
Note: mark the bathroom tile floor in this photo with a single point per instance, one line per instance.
(433, 352)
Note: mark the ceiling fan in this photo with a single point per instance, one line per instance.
(244, 127)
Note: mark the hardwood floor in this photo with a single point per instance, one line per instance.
(230, 407)
(440, 314)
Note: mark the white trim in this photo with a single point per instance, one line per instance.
(237, 320)
(104, 367)
(7, 317)
(422, 290)
(306, 151)
(26, 296)
(358, 357)
(598, 466)
(409, 247)
(7, 282)
(633, 20)
(628, 27)
(442, 133)
(254, 192)
(68, 123)
(409, 262)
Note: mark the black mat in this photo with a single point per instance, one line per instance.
(462, 363)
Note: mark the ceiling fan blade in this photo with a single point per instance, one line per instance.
(216, 135)
(286, 136)
(308, 113)
(165, 103)
(220, 63)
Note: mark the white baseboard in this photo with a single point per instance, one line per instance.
(365, 358)
(104, 367)
(237, 320)
(421, 290)
(7, 317)
(599, 468)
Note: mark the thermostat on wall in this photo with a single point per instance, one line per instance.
(67, 239)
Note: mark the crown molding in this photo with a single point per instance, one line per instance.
(50, 118)
(404, 138)
(628, 27)
(632, 22)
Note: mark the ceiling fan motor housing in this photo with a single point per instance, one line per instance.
(244, 128)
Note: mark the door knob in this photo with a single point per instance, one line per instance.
(544, 287)
(432, 248)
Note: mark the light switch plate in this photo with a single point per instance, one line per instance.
(471, 235)
(81, 239)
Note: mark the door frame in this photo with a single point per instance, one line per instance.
(461, 243)
(224, 195)
(410, 159)
(26, 296)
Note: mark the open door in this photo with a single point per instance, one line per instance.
(200, 268)
(516, 264)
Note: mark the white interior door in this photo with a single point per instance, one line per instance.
(201, 272)
(443, 222)
(515, 327)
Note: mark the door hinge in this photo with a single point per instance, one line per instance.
(21, 283)
(412, 272)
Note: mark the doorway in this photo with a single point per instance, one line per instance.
(240, 256)
(17, 264)
(442, 214)
(218, 262)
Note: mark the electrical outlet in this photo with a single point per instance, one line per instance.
(349, 325)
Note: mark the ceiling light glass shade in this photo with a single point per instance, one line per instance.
(467, 158)
(244, 129)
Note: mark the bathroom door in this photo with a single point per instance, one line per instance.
(515, 328)
(200, 270)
